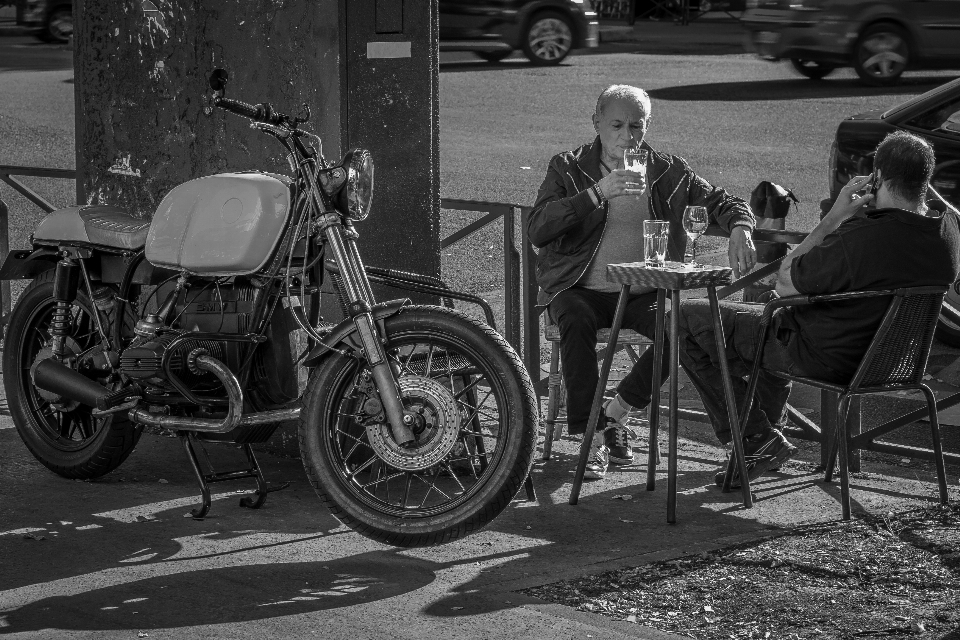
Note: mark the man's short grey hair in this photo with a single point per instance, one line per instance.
(624, 92)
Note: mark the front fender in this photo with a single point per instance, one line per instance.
(28, 264)
(343, 334)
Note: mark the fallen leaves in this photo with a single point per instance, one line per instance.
(896, 570)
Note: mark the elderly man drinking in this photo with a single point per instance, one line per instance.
(589, 213)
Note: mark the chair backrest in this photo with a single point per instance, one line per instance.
(900, 348)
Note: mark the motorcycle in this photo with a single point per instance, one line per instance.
(417, 424)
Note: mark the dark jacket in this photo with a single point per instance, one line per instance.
(567, 227)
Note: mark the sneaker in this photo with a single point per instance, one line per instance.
(616, 437)
(763, 452)
(599, 457)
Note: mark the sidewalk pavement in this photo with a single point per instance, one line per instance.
(116, 556)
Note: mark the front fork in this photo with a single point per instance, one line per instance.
(360, 299)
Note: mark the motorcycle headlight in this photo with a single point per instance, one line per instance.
(357, 193)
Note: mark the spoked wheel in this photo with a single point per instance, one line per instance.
(881, 54)
(471, 406)
(62, 434)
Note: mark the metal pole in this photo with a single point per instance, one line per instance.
(828, 427)
(595, 408)
(672, 414)
(731, 400)
(654, 445)
(511, 280)
(528, 300)
(4, 250)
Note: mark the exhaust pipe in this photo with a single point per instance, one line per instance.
(208, 425)
(54, 377)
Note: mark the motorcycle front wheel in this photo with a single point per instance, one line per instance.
(474, 415)
(63, 435)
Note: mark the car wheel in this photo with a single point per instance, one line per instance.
(882, 53)
(548, 39)
(493, 56)
(812, 69)
(59, 26)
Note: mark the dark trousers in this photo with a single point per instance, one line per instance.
(579, 313)
(699, 357)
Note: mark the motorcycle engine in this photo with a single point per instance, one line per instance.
(228, 310)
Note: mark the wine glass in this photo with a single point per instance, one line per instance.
(695, 224)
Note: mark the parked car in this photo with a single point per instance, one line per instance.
(545, 30)
(51, 20)
(935, 116)
(878, 38)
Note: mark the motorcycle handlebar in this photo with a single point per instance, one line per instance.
(259, 113)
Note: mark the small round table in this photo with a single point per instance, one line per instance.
(673, 277)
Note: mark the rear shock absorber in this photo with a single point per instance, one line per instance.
(65, 284)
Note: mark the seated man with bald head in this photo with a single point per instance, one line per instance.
(589, 213)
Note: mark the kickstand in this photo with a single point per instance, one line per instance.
(255, 501)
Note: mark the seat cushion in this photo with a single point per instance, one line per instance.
(93, 224)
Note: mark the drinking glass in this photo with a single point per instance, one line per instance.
(655, 234)
(636, 160)
(694, 223)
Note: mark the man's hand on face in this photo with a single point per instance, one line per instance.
(621, 182)
(741, 251)
(849, 201)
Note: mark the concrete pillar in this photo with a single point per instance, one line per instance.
(367, 68)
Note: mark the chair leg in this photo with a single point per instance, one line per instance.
(553, 403)
(834, 444)
(747, 404)
(937, 448)
(841, 449)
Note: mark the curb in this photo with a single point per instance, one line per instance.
(13, 30)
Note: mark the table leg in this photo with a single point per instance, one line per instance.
(655, 392)
(596, 407)
(729, 397)
(672, 417)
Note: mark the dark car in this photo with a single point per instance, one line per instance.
(51, 20)
(878, 38)
(935, 116)
(545, 30)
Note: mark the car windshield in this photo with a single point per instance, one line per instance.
(903, 106)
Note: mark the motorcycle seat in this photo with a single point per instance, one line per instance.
(93, 225)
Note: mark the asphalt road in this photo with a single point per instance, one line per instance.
(115, 558)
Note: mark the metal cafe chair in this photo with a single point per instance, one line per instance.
(626, 341)
(894, 361)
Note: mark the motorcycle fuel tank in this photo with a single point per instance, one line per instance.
(225, 224)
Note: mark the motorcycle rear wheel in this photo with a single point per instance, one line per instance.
(69, 441)
(493, 419)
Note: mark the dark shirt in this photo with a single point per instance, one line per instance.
(882, 249)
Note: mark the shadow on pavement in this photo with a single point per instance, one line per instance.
(226, 595)
(290, 562)
(793, 89)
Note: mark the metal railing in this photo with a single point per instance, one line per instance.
(522, 320)
(7, 173)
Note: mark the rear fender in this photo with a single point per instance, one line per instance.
(344, 335)
(27, 264)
